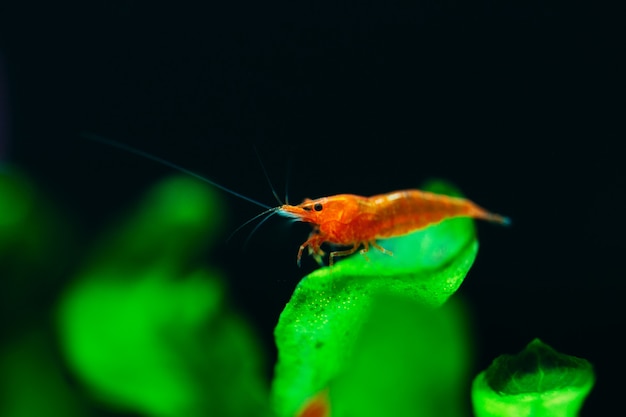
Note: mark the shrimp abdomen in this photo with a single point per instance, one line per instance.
(406, 211)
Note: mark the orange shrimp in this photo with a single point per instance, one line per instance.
(350, 220)
(357, 222)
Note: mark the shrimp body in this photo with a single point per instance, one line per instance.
(357, 222)
(350, 220)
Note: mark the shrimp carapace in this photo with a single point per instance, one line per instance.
(357, 222)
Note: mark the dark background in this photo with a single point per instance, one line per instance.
(520, 104)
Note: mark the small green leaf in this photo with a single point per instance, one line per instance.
(538, 381)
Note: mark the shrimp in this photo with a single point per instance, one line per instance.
(348, 220)
(358, 222)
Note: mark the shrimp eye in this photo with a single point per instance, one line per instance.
(317, 207)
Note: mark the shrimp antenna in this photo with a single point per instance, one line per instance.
(172, 165)
(287, 176)
(259, 224)
(267, 177)
(269, 211)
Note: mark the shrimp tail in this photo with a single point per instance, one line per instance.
(496, 218)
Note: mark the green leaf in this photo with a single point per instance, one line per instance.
(409, 360)
(148, 330)
(538, 381)
(316, 331)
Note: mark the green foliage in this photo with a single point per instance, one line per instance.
(409, 360)
(537, 382)
(32, 243)
(32, 235)
(29, 370)
(149, 330)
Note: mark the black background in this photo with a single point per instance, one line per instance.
(520, 104)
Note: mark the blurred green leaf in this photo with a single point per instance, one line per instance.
(148, 329)
(34, 248)
(32, 382)
(409, 360)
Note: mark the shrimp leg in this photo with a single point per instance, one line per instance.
(354, 248)
(314, 243)
(380, 248)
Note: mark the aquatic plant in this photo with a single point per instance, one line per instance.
(144, 326)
